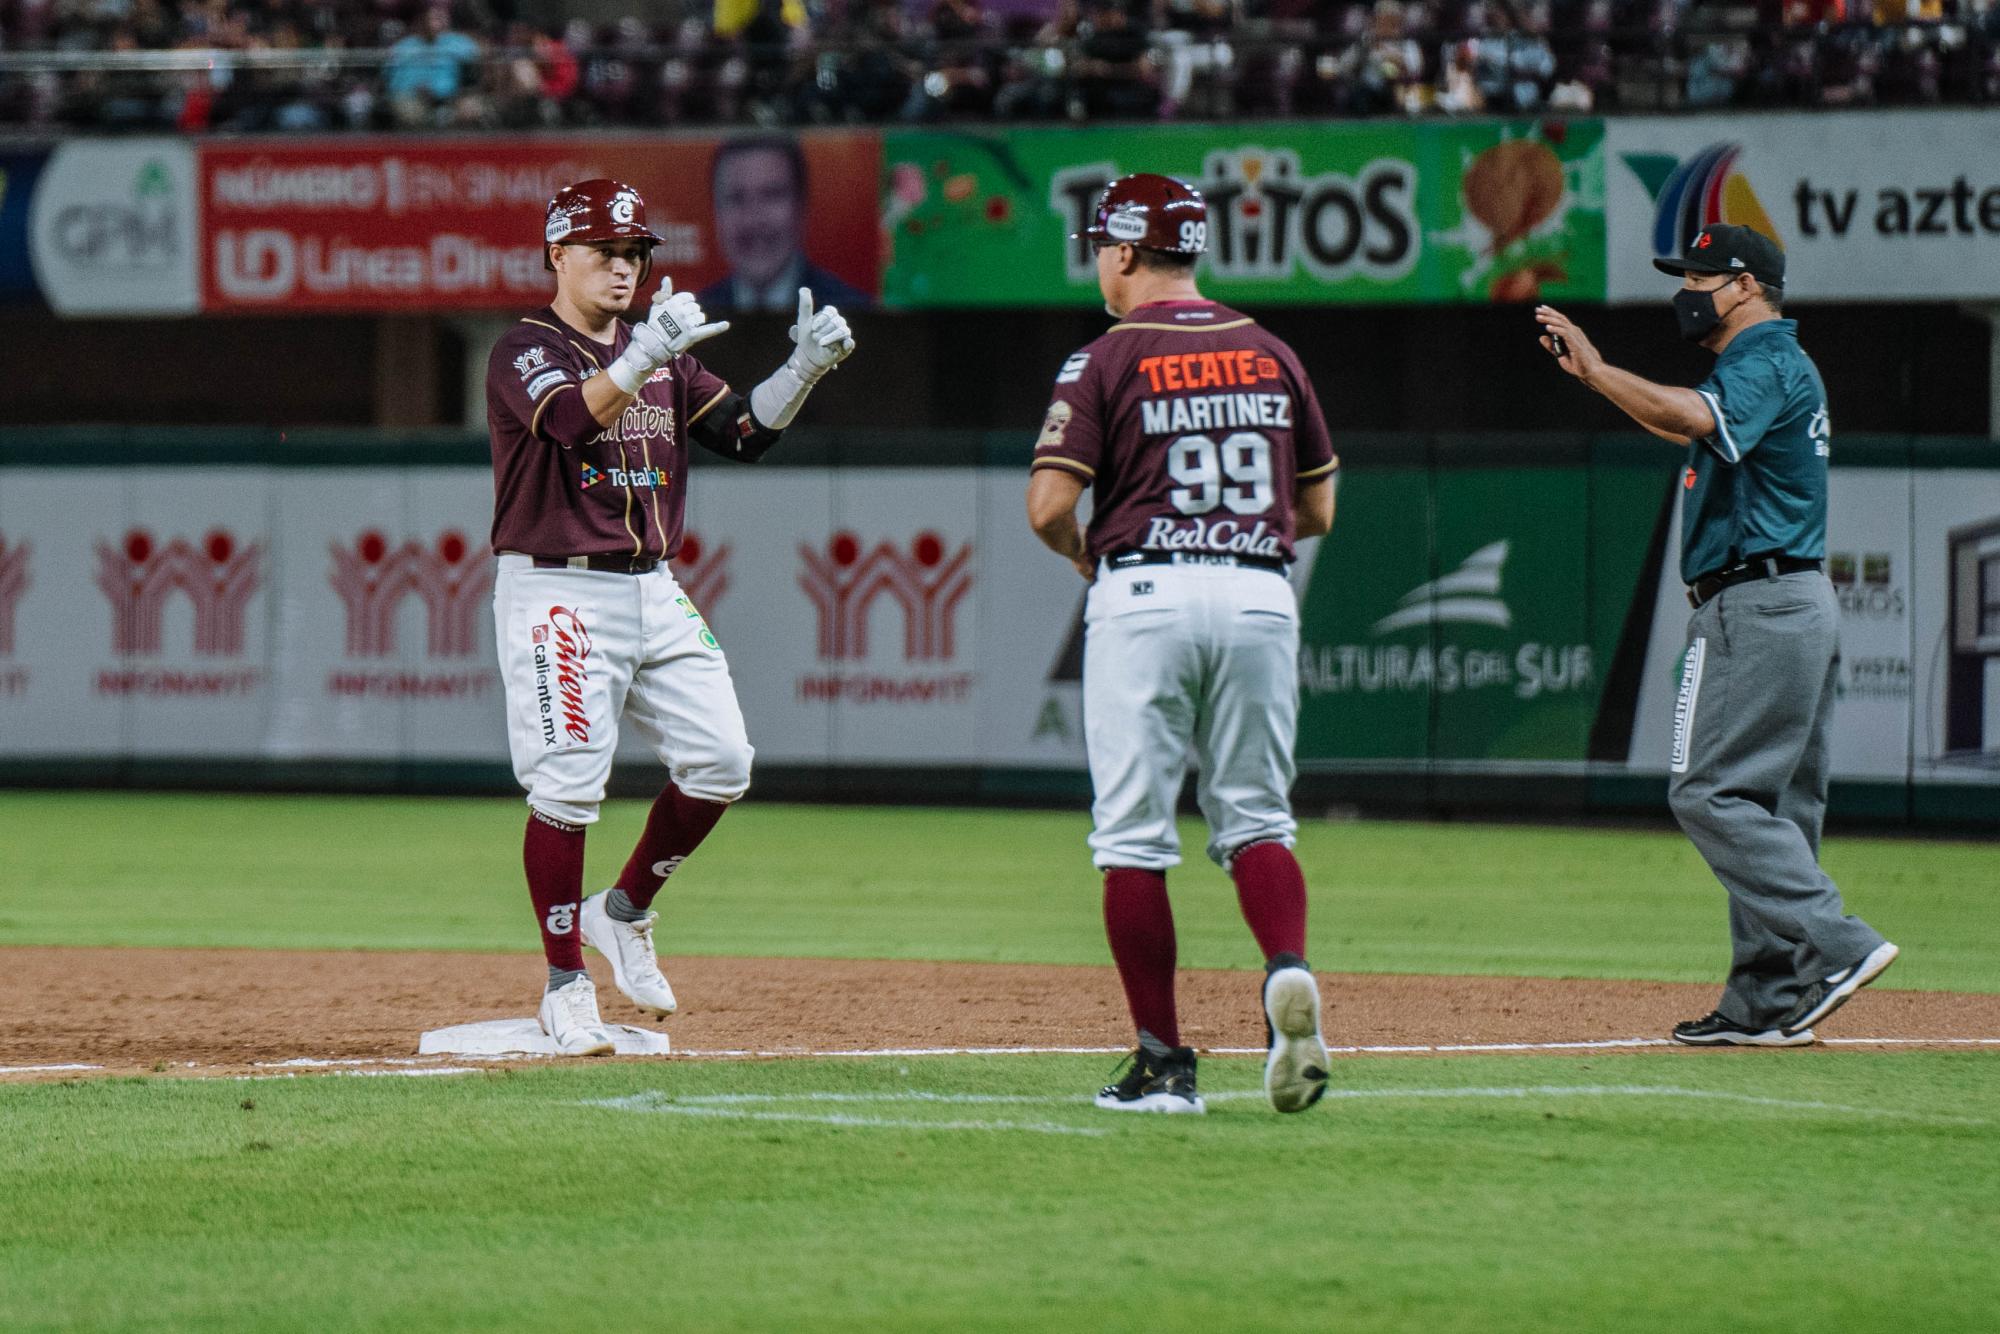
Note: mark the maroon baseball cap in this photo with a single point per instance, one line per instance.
(1726, 248)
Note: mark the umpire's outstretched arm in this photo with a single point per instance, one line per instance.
(1668, 411)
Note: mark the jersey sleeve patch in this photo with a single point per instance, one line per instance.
(546, 381)
(1055, 426)
(1072, 370)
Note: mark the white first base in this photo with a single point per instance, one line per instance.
(524, 1037)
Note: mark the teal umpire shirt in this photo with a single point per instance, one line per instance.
(1757, 486)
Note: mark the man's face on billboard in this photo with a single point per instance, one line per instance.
(758, 213)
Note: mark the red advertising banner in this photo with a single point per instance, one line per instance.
(385, 224)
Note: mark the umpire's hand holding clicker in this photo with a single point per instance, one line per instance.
(1574, 353)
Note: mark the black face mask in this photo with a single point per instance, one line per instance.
(1695, 309)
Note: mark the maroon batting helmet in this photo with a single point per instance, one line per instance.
(1151, 212)
(598, 210)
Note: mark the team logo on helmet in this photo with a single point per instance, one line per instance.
(622, 207)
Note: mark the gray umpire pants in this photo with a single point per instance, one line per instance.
(1749, 774)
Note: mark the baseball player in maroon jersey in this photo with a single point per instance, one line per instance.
(591, 418)
(1206, 454)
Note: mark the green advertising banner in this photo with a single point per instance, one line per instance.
(1298, 214)
(1475, 613)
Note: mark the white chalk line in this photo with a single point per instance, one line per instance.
(1257, 1095)
(1411, 1049)
(331, 1065)
(660, 1104)
(365, 1074)
(755, 1106)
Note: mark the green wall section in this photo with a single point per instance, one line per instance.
(1306, 214)
(1474, 613)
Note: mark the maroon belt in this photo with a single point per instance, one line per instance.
(602, 564)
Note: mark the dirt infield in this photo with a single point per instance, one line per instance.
(130, 1010)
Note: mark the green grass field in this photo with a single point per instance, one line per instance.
(845, 882)
(1849, 1190)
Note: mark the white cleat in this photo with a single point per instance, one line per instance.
(569, 1015)
(629, 948)
(1295, 1072)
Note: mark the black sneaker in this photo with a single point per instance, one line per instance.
(1295, 1069)
(1712, 1030)
(1823, 997)
(1161, 1079)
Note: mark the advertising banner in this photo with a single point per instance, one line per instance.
(415, 224)
(885, 615)
(1472, 615)
(113, 228)
(134, 611)
(872, 616)
(18, 173)
(382, 616)
(1492, 619)
(1298, 214)
(1881, 205)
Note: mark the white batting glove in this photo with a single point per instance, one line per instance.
(674, 325)
(677, 318)
(823, 340)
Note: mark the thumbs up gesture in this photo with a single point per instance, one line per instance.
(823, 339)
(677, 318)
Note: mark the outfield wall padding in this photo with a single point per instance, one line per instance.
(1495, 624)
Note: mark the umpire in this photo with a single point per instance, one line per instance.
(1749, 762)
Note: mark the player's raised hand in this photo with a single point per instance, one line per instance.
(823, 338)
(677, 317)
(1567, 344)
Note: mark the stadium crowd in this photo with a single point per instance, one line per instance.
(329, 65)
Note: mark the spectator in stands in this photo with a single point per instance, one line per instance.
(311, 65)
(962, 65)
(1713, 74)
(425, 72)
(874, 75)
(1392, 75)
(1193, 37)
(1531, 64)
(540, 76)
(1583, 63)
(1032, 77)
(733, 16)
(1113, 71)
(1458, 90)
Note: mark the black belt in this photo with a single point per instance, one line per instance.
(1125, 560)
(1761, 567)
(602, 564)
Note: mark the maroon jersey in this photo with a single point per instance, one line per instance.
(611, 491)
(1194, 427)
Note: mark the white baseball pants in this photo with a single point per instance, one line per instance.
(1180, 657)
(579, 651)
